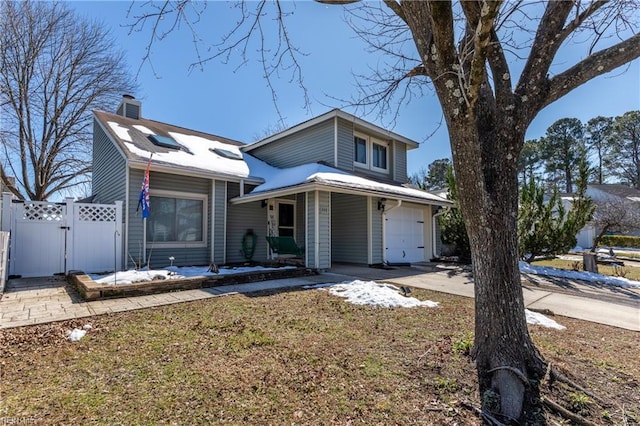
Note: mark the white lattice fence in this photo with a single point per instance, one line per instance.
(96, 241)
(50, 238)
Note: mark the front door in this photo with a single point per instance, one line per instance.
(286, 218)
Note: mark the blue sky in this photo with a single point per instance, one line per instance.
(236, 102)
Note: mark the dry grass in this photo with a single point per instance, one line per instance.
(630, 272)
(301, 357)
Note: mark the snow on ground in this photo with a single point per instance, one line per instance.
(389, 296)
(173, 272)
(375, 294)
(536, 318)
(576, 275)
(78, 333)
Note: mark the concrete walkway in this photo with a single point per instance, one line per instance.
(31, 301)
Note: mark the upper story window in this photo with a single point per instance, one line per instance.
(360, 150)
(370, 153)
(379, 156)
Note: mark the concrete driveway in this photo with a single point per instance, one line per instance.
(31, 301)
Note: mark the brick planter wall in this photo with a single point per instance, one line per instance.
(91, 290)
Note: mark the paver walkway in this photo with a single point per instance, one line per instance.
(31, 301)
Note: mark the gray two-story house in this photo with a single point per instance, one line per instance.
(334, 183)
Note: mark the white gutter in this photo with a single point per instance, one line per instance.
(186, 171)
(315, 186)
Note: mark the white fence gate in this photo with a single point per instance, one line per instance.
(51, 238)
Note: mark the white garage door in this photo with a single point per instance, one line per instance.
(404, 235)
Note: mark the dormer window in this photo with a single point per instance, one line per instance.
(370, 153)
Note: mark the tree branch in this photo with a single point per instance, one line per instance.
(593, 66)
(483, 19)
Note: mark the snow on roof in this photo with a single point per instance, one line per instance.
(197, 151)
(320, 173)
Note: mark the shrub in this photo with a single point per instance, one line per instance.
(620, 241)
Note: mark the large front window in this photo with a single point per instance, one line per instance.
(176, 219)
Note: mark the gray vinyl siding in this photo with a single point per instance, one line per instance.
(318, 239)
(108, 183)
(240, 218)
(345, 145)
(399, 162)
(188, 256)
(307, 146)
(377, 248)
(218, 220)
(349, 228)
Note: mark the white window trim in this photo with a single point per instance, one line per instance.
(367, 154)
(182, 196)
(386, 150)
(370, 141)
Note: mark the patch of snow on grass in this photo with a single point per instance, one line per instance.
(371, 293)
(575, 275)
(536, 318)
(76, 334)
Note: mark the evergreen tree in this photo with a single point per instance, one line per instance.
(625, 153)
(529, 160)
(434, 177)
(546, 227)
(452, 225)
(562, 148)
(598, 140)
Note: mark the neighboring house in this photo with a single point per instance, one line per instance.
(616, 192)
(334, 183)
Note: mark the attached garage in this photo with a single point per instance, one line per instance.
(405, 234)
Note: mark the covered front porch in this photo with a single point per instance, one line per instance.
(337, 225)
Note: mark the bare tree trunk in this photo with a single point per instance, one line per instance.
(486, 175)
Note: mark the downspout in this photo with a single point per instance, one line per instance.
(387, 210)
(126, 216)
(433, 230)
(335, 142)
(213, 221)
(316, 243)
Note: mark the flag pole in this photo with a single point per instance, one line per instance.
(144, 201)
(144, 242)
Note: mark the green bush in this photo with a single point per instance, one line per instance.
(620, 241)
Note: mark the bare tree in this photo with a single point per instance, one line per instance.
(614, 215)
(55, 68)
(493, 66)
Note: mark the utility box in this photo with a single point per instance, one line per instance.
(590, 261)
